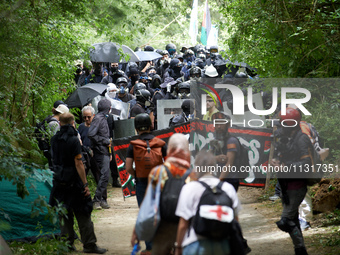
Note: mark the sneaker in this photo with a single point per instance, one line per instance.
(273, 198)
(104, 205)
(304, 225)
(96, 206)
(95, 250)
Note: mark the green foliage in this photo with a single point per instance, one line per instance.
(43, 245)
(285, 38)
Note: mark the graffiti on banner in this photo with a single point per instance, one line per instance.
(120, 148)
(199, 134)
(258, 140)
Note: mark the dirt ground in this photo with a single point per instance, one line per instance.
(114, 226)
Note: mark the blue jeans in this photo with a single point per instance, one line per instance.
(140, 193)
(207, 247)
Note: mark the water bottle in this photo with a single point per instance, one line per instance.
(135, 249)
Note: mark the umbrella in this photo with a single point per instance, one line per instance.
(84, 94)
(131, 53)
(147, 55)
(109, 52)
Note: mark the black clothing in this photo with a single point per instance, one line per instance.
(99, 134)
(83, 131)
(136, 109)
(126, 98)
(65, 147)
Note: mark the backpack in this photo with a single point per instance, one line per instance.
(215, 220)
(317, 154)
(170, 195)
(147, 154)
(41, 134)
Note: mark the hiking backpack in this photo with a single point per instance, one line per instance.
(170, 195)
(147, 154)
(215, 219)
(42, 135)
(317, 154)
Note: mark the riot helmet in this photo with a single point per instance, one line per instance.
(138, 86)
(143, 97)
(184, 90)
(142, 122)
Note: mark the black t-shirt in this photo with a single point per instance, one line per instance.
(136, 109)
(144, 136)
(83, 131)
(65, 150)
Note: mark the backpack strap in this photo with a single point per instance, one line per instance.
(148, 146)
(184, 176)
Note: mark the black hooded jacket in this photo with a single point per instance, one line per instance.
(99, 130)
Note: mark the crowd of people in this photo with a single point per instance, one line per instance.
(75, 151)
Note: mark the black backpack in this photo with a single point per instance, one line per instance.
(170, 195)
(41, 134)
(215, 220)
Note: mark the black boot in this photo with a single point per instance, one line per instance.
(301, 251)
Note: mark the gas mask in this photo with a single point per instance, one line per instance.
(122, 90)
(184, 95)
(194, 78)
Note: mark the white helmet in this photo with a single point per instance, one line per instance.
(211, 71)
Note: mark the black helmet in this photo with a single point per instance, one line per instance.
(184, 85)
(188, 106)
(202, 56)
(200, 63)
(138, 86)
(142, 96)
(195, 70)
(213, 49)
(122, 80)
(142, 122)
(148, 48)
(171, 48)
(174, 62)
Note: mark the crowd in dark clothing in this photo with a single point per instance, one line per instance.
(170, 76)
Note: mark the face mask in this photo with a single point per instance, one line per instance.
(134, 79)
(112, 94)
(151, 75)
(114, 69)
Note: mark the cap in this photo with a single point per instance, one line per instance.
(168, 80)
(57, 103)
(62, 108)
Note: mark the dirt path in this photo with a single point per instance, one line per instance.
(113, 227)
